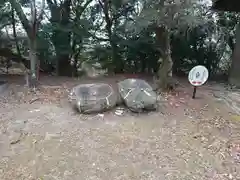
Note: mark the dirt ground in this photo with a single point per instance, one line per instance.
(42, 138)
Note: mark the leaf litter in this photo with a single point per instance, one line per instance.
(190, 139)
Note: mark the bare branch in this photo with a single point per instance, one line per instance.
(50, 4)
(33, 12)
(18, 8)
(14, 31)
(98, 38)
(44, 13)
(3, 25)
(101, 4)
(40, 16)
(85, 6)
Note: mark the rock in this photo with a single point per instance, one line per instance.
(138, 95)
(93, 98)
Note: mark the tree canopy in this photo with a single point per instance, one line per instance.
(147, 36)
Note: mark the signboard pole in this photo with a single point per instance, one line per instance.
(194, 92)
(197, 77)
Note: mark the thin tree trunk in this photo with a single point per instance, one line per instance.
(64, 66)
(165, 69)
(116, 62)
(143, 64)
(14, 31)
(33, 57)
(31, 28)
(234, 74)
(61, 38)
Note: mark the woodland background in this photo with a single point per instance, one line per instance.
(120, 36)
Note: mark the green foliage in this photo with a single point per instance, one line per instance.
(5, 17)
(45, 47)
(82, 33)
(101, 54)
(227, 26)
(195, 48)
(171, 14)
(140, 53)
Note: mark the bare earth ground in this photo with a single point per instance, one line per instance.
(41, 138)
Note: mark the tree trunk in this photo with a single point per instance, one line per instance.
(64, 67)
(116, 61)
(61, 41)
(143, 64)
(74, 62)
(33, 66)
(165, 69)
(117, 64)
(61, 36)
(234, 74)
(14, 31)
(31, 28)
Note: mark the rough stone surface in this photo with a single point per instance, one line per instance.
(92, 98)
(137, 95)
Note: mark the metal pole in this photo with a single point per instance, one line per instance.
(194, 92)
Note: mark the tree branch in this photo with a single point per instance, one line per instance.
(101, 4)
(85, 6)
(46, 16)
(40, 16)
(18, 8)
(33, 12)
(100, 39)
(14, 31)
(7, 53)
(3, 25)
(50, 5)
(106, 9)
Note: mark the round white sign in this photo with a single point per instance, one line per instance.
(198, 75)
